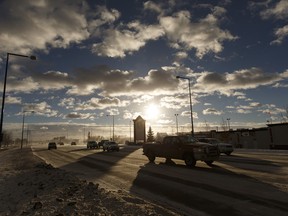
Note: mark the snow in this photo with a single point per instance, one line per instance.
(28, 186)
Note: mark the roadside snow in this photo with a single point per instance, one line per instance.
(28, 186)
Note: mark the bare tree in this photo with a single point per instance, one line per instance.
(7, 138)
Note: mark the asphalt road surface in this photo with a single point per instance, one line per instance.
(245, 183)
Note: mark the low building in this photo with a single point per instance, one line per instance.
(275, 136)
(278, 136)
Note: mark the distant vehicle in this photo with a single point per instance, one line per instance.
(102, 142)
(52, 145)
(225, 148)
(60, 143)
(73, 143)
(184, 147)
(110, 146)
(92, 145)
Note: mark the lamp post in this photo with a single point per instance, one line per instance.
(130, 130)
(228, 120)
(23, 125)
(4, 90)
(176, 116)
(191, 111)
(112, 126)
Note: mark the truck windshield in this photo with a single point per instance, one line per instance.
(188, 139)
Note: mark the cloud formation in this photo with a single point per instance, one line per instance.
(38, 25)
(278, 11)
(204, 35)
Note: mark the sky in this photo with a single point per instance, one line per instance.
(104, 59)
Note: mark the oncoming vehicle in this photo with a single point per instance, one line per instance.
(110, 146)
(225, 148)
(52, 145)
(92, 145)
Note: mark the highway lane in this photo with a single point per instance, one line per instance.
(245, 183)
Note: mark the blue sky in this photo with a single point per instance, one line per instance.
(121, 58)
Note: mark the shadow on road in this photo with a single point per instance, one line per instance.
(213, 190)
(223, 190)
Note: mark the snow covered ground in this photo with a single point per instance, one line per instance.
(28, 186)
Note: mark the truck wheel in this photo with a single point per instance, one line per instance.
(209, 163)
(151, 157)
(189, 161)
(228, 153)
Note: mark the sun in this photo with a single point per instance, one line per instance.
(152, 111)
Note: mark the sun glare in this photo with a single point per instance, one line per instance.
(152, 112)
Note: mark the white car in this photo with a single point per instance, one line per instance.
(110, 146)
(225, 148)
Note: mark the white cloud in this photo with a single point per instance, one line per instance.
(101, 103)
(150, 5)
(204, 35)
(279, 11)
(68, 103)
(255, 104)
(19, 84)
(212, 111)
(42, 108)
(118, 42)
(13, 100)
(281, 34)
(243, 111)
(229, 83)
(127, 114)
(102, 16)
(174, 102)
(29, 25)
(143, 99)
(187, 113)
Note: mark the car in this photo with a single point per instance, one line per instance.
(225, 148)
(92, 145)
(60, 143)
(52, 145)
(73, 143)
(102, 142)
(110, 146)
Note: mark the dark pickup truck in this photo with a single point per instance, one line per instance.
(184, 147)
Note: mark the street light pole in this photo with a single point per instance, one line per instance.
(23, 126)
(176, 115)
(190, 96)
(130, 130)
(4, 90)
(112, 126)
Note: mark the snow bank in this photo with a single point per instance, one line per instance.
(28, 186)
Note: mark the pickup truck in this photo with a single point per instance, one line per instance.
(183, 147)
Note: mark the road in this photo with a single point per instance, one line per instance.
(245, 183)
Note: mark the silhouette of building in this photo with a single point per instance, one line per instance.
(139, 130)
